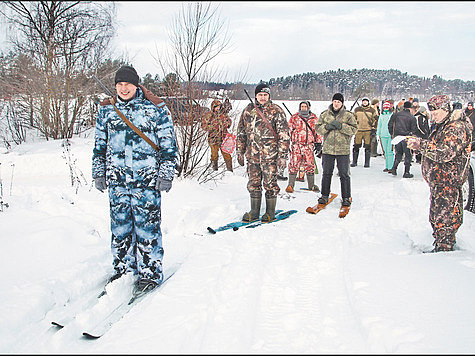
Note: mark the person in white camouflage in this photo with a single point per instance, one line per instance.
(135, 175)
(265, 144)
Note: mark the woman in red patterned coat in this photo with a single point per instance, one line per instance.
(303, 139)
(216, 123)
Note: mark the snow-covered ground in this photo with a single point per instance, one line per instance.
(309, 284)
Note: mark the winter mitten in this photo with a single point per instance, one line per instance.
(336, 124)
(329, 126)
(163, 185)
(317, 148)
(100, 184)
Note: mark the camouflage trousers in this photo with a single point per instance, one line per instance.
(301, 155)
(262, 174)
(136, 236)
(446, 213)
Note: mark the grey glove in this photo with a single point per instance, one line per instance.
(336, 124)
(329, 126)
(100, 184)
(163, 185)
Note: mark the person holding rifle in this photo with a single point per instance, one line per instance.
(303, 138)
(136, 168)
(263, 138)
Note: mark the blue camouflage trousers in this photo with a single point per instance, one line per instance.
(136, 236)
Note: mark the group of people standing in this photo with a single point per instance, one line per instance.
(440, 138)
(135, 154)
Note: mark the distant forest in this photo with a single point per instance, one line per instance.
(381, 84)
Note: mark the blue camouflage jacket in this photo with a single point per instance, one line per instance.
(121, 155)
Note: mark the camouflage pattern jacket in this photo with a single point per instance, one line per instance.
(256, 141)
(337, 142)
(366, 117)
(446, 153)
(216, 124)
(300, 134)
(125, 158)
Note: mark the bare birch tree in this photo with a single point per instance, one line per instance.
(64, 40)
(198, 36)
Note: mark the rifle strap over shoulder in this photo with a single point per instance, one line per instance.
(132, 126)
(266, 122)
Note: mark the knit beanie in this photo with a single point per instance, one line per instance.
(127, 74)
(262, 88)
(374, 101)
(338, 96)
(407, 105)
(439, 102)
(387, 105)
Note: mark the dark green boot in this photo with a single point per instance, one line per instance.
(253, 215)
(270, 210)
(311, 183)
(290, 187)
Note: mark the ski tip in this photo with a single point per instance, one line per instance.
(89, 336)
(235, 228)
(211, 230)
(310, 210)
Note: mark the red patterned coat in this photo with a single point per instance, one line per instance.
(303, 141)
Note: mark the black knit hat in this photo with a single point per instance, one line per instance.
(262, 88)
(127, 74)
(338, 96)
(407, 104)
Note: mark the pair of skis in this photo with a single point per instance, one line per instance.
(235, 225)
(103, 323)
(344, 210)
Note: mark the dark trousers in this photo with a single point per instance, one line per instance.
(343, 165)
(402, 149)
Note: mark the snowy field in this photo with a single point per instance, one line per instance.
(307, 285)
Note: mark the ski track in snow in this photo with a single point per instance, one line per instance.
(308, 284)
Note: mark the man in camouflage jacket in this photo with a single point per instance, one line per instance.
(445, 165)
(135, 175)
(265, 143)
(367, 120)
(216, 123)
(337, 125)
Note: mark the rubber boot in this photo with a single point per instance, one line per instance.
(367, 156)
(270, 210)
(311, 183)
(229, 165)
(290, 187)
(214, 164)
(407, 174)
(253, 215)
(355, 158)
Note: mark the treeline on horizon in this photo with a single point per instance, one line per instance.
(376, 83)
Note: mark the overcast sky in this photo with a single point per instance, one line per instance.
(273, 39)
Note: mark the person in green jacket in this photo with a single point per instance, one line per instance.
(337, 126)
(385, 135)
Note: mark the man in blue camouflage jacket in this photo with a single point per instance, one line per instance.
(135, 174)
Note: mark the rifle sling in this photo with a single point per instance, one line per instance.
(266, 122)
(133, 127)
